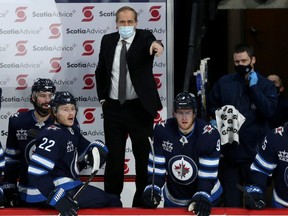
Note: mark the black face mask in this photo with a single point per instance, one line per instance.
(243, 69)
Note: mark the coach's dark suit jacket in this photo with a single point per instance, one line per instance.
(140, 64)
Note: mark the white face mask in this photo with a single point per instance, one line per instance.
(126, 31)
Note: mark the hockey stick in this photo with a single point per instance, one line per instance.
(84, 186)
(153, 170)
(76, 195)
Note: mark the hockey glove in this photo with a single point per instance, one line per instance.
(200, 204)
(151, 197)
(253, 78)
(11, 195)
(254, 199)
(63, 202)
(97, 155)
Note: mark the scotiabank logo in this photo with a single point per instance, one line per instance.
(21, 80)
(89, 116)
(55, 30)
(88, 14)
(158, 118)
(88, 47)
(21, 48)
(89, 81)
(55, 65)
(158, 80)
(155, 14)
(20, 14)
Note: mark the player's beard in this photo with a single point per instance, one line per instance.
(41, 110)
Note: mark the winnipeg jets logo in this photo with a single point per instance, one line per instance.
(53, 127)
(279, 130)
(208, 129)
(21, 134)
(182, 169)
(167, 146)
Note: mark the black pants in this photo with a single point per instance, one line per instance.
(121, 121)
(231, 174)
(90, 197)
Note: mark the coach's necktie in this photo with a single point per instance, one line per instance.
(122, 76)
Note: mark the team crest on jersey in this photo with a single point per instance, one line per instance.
(21, 134)
(29, 150)
(279, 131)
(53, 127)
(70, 146)
(283, 156)
(167, 146)
(182, 169)
(208, 129)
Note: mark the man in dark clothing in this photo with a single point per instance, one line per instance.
(255, 97)
(133, 115)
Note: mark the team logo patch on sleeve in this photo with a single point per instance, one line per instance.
(208, 129)
(279, 131)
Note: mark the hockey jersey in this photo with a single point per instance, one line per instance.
(272, 160)
(186, 163)
(18, 148)
(54, 162)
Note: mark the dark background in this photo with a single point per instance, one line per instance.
(265, 29)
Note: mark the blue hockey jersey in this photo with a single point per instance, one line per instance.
(18, 148)
(272, 160)
(54, 162)
(187, 163)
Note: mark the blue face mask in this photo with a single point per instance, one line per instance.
(126, 31)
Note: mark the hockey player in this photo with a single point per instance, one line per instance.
(17, 145)
(186, 156)
(270, 161)
(54, 165)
